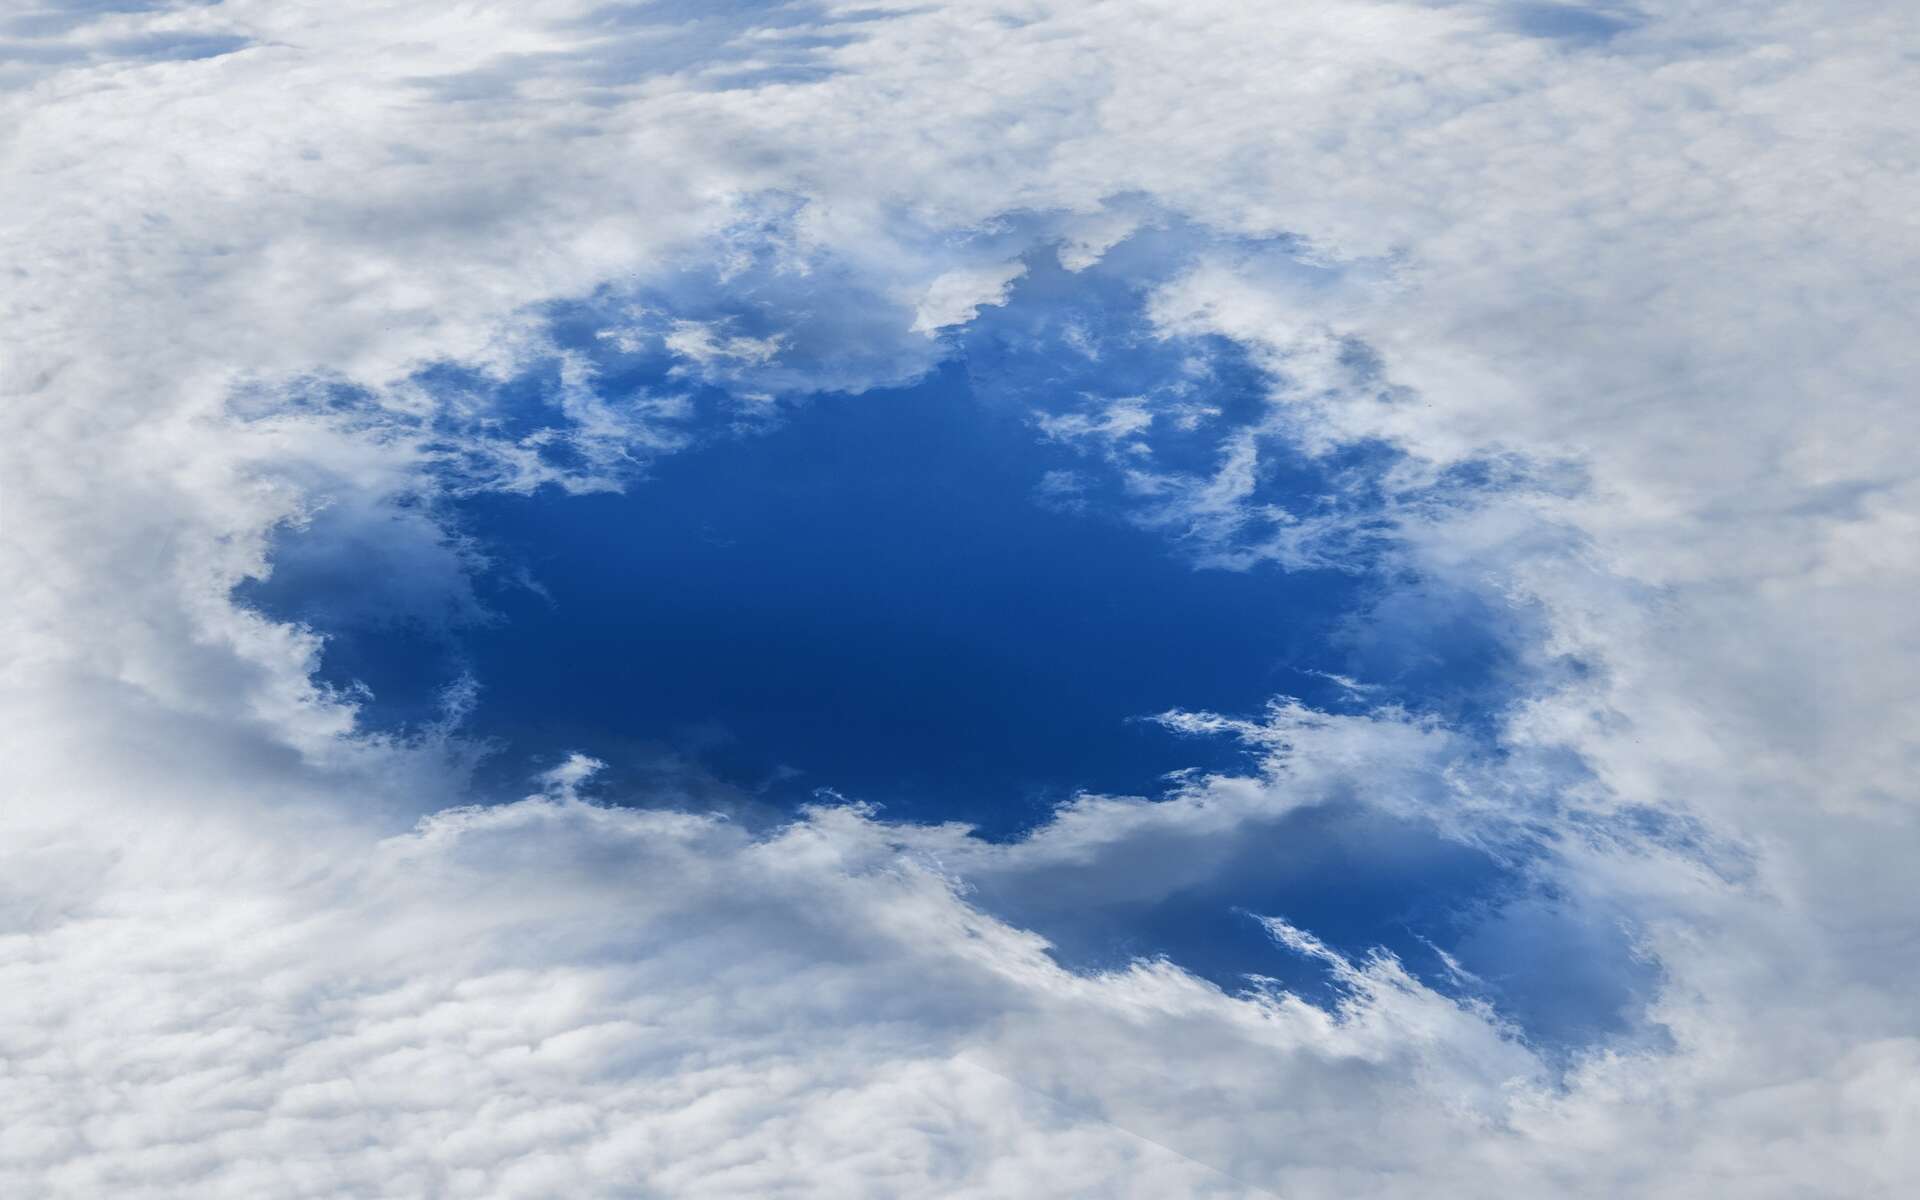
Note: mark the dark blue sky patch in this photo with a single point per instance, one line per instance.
(867, 599)
(926, 597)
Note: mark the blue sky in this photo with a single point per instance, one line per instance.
(895, 595)
(938, 600)
(938, 596)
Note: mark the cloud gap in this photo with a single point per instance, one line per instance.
(679, 541)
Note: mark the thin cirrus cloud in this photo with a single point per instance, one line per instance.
(1586, 325)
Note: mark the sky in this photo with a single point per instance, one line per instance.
(974, 599)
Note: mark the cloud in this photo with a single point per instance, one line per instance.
(1665, 267)
(956, 297)
(555, 995)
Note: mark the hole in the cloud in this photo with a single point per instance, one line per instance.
(943, 598)
(870, 599)
(954, 597)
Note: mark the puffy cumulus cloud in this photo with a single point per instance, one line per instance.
(554, 997)
(957, 296)
(1659, 263)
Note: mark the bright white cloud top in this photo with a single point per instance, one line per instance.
(1596, 321)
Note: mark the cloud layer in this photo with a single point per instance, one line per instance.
(1641, 278)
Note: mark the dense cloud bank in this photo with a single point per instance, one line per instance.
(1624, 294)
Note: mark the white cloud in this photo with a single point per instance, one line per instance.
(1111, 420)
(1678, 259)
(553, 996)
(698, 341)
(957, 296)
